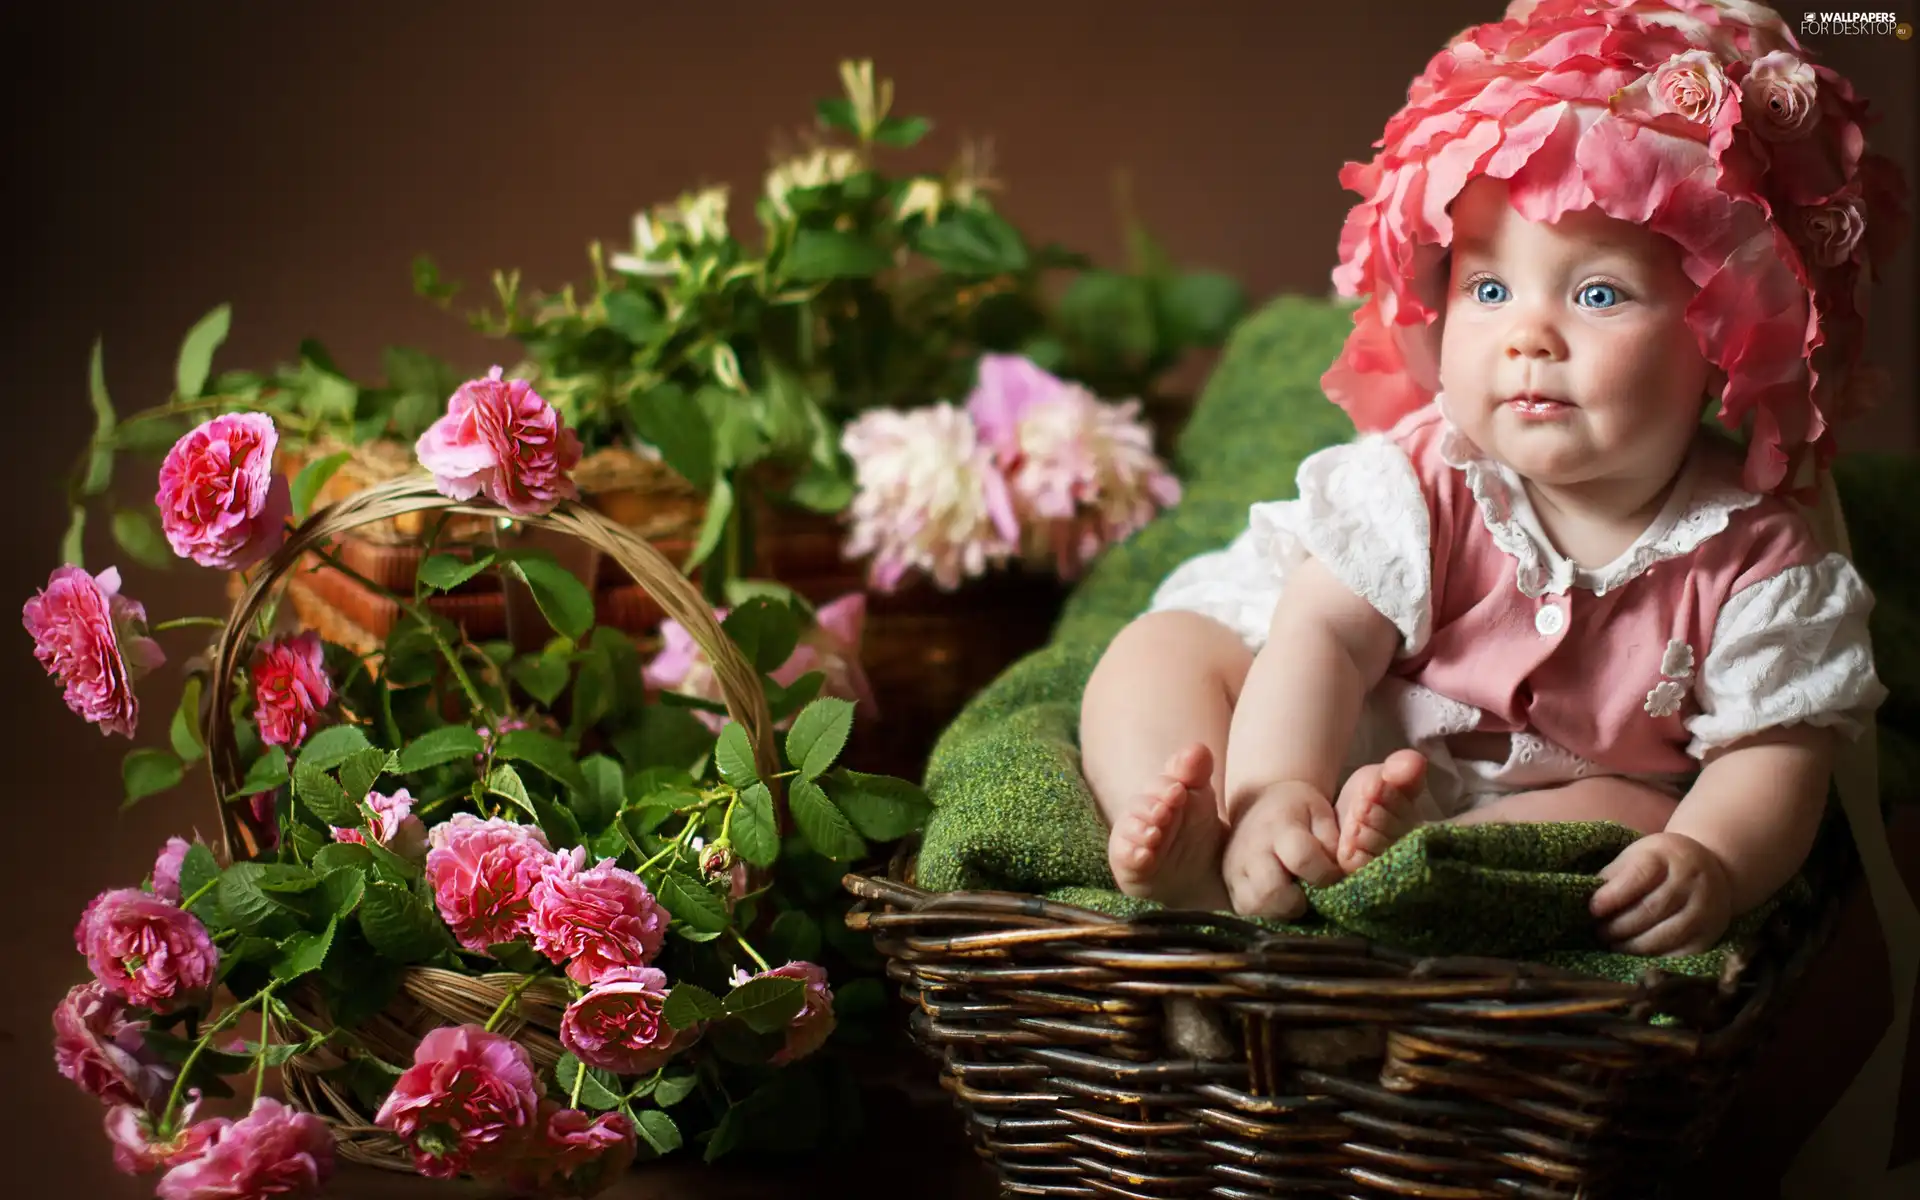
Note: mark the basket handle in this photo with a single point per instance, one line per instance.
(414, 492)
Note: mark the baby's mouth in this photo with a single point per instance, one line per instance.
(1536, 404)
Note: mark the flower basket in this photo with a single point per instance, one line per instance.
(390, 958)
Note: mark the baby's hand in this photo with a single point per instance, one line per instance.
(1288, 834)
(1665, 894)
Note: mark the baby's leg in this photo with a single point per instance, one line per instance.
(1153, 737)
(1603, 798)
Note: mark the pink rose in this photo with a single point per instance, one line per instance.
(617, 1025)
(136, 1152)
(499, 437)
(290, 688)
(166, 869)
(221, 503)
(394, 826)
(469, 1103)
(831, 645)
(272, 1151)
(144, 949)
(576, 1155)
(1832, 231)
(810, 1026)
(1691, 85)
(93, 640)
(103, 1050)
(601, 918)
(483, 874)
(1778, 97)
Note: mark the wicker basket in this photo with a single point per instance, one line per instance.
(432, 997)
(1189, 1054)
(641, 495)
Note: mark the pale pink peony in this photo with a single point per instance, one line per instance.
(499, 437)
(575, 1155)
(166, 869)
(1612, 107)
(146, 950)
(395, 827)
(135, 1151)
(830, 645)
(809, 1028)
(272, 1151)
(1779, 97)
(617, 1025)
(1082, 472)
(597, 920)
(290, 688)
(221, 502)
(470, 1103)
(483, 874)
(928, 497)
(1832, 231)
(94, 641)
(102, 1048)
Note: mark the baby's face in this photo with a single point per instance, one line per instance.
(1564, 351)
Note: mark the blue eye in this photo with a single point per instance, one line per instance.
(1490, 291)
(1599, 295)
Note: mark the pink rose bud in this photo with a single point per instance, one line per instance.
(1779, 97)
(617, 1026)
(716, 861)
(94, 641)
(136, 1152)
(394, 826)
(146, 950)
(483, 875)
(576, 1155)
(499, 437)
(102, 1049)
(221, 502)
(290, 688)
(809, 1028)
(602, 918)
(166, 869)
(272, 1151)
(470, 1103)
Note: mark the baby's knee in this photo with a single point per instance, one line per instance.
(1189, 643)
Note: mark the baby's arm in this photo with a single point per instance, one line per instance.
(1742, 831)
(1326, 649)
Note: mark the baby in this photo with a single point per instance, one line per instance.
(1538, 587)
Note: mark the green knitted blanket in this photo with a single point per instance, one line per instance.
(1012, 811)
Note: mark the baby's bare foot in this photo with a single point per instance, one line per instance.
(1167, 846)
(1376, 807)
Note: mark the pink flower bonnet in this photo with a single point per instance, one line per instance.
(1702, 120)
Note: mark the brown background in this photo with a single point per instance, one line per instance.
(293, 158)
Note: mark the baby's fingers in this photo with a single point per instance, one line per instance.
(1261, 887)
(1629, 879)
(1302, 852)
(1644, 915)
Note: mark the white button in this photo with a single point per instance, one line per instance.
(1550, 620)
